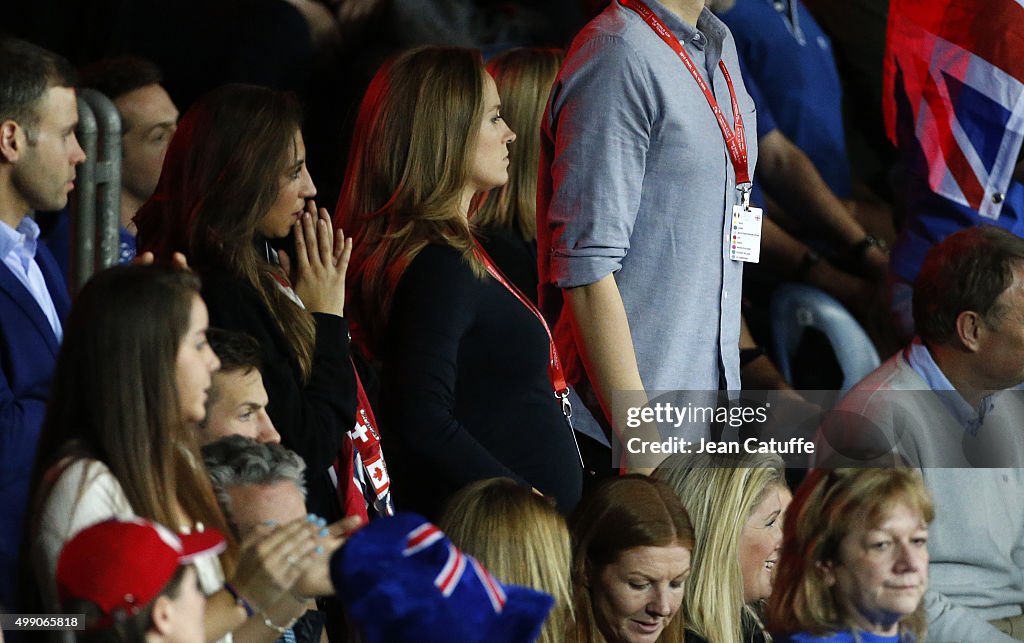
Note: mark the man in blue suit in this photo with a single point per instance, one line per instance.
(38, 155)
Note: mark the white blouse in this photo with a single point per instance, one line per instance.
(87, 493)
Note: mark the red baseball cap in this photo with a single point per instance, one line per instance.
(125, 564)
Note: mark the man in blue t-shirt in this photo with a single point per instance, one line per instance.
(790, 58)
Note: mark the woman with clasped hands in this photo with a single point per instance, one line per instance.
(234, 183)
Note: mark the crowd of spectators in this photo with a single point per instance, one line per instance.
(247, 430)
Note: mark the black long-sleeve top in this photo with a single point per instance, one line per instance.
(465, 389)
(515, 257)
(312, 418)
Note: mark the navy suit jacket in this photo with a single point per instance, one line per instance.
(28, 356)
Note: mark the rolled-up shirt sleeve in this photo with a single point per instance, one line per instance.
(598, 128)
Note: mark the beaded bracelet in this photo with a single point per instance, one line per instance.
(240, 600)
(278, 628)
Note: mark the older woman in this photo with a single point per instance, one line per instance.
(854, 561)
(736, 505)
(632, 541)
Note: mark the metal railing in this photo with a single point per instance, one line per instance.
(96, 210)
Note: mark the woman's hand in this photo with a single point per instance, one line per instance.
(271, 560)
(321, 262)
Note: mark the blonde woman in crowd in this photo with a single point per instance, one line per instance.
(736, 505)
(520, 538)
(854, 562)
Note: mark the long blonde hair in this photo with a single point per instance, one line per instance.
(408, 166)
(519, 537)
(524, 77)
(828, 506)
(719, 493)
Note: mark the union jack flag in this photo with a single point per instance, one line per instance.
(420, 538)
(954, 94)
(451, 573)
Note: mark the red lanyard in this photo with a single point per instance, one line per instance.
(736, 142)
(554, 364)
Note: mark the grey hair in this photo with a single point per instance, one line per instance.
(237, 461)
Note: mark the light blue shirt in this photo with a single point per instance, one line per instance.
(18, 249)
(920, 359)
(635, 179)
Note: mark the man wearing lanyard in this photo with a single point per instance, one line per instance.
(642, 153)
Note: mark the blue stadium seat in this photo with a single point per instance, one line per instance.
(796, 307)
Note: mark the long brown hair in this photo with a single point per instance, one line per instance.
(524, 77)
(221, 176)
(408, 166)
(114, 396)
(622, 513)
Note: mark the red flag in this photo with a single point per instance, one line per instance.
(954, 95)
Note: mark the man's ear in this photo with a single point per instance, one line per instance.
(10, 142)
(162, 614)
(969, 328)
(827, 571)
